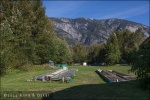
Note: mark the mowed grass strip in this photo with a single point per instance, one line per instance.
(86, 85)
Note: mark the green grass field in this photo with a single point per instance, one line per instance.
(86, 85)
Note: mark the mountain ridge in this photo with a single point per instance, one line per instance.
(92, 31)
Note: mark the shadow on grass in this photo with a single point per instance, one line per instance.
(116, 91)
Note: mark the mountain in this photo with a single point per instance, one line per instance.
(92, 31)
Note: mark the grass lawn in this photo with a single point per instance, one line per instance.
(86, 85)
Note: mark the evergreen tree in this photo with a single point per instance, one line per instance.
(96, 53)
(79, 53)
(34, 40)
(112, 50)
(63, 52)
(42, 34)
(6, 47)
(131, 43)
(128, 43)
(138, 38)
(20, 30)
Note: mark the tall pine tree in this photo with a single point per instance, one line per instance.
(112, 50)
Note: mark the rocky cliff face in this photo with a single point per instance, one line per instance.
(92, 31)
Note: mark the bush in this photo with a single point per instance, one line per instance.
(10, 70)
(25, 67)
(46, 66)
(141, 65)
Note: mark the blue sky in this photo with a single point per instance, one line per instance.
(137, 11)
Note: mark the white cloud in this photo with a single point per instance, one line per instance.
(128, 13)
